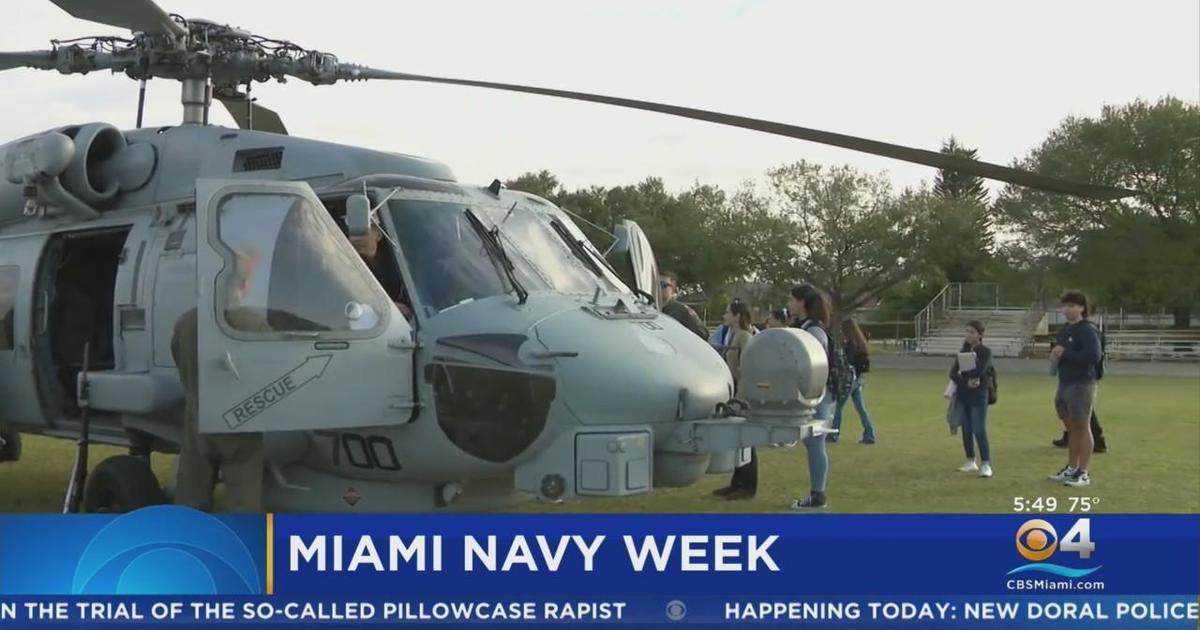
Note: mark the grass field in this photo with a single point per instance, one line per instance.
(1153, 465)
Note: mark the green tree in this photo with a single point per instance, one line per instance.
(960, 240)
(853, 237)
(949, 184)
(542, 183)
(1151, 147)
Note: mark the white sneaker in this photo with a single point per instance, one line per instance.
(985, 470)
(1079, 480)
(1063, 473)
(970, 466)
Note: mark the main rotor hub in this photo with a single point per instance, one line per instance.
(225, 55)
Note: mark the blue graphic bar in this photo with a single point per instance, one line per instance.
(174, 565)
(699, 554)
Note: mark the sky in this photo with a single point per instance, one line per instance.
(997, 75)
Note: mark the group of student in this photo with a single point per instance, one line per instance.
(1077, 359)
(809, 310)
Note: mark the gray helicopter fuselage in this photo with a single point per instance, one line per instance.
(486, 385)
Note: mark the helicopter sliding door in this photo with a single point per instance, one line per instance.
(23, 317)
(294, 332)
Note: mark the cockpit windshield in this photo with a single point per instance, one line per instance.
(535, 240)
(450, 263)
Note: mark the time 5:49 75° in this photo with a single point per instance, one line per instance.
(1051, 504)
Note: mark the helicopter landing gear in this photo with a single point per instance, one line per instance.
(10, 446)
(122, 483)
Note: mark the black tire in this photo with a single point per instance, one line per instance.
(121, 483)
(11, 451)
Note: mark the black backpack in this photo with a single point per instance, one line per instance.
(993, 387)
(1103, 352)
(841, 372)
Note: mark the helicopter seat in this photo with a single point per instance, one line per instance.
(140, 393)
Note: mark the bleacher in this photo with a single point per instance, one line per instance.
(1007, 331)
(1163, 344)
(939, 327)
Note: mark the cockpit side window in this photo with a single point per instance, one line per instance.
(376, 250)
(289, 271)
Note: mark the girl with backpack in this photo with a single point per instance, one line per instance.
(971, 391)
(858, 354)
(744, 484)
(810, 312)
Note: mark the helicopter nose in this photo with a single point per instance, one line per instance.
(633, 370)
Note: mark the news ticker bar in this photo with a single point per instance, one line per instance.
(1099, 612)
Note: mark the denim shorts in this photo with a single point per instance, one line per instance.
(1074, 401)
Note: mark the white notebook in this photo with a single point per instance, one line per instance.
(966, 361)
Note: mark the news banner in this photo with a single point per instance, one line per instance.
(170, 565)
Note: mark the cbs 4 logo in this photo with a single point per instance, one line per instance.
(1037, 540)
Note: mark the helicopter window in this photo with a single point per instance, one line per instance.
(533, 238)
(448, 261)
(291, 270)
(568, 231)
(9, 276)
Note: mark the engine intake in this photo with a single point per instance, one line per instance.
(77, 170)
(105, 164)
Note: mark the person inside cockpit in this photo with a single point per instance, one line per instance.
(368, 247)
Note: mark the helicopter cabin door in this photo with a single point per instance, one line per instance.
(633, 258)
(293, 330)
(23, 316)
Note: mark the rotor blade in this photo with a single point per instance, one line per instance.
(40, 59)
(263, 119)
(135, 15)
(67, 60)
(874, 147)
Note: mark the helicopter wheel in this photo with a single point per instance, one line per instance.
(10, 446)
(122, 483)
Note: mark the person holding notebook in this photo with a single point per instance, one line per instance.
(970, 375)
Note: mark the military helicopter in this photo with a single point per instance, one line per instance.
(492, 352)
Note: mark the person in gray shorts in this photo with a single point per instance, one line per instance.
(1076, 356)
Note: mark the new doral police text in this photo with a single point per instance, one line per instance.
(490, 553)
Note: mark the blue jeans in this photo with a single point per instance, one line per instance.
(861, 407)
(974, 428)
(818, 457)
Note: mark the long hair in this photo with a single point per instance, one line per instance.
(815, 303)
(852, 333)
(977, 326)
(742, 311)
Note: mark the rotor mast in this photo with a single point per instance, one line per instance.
(196, 96)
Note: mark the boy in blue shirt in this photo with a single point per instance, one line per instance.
(1076, 357)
